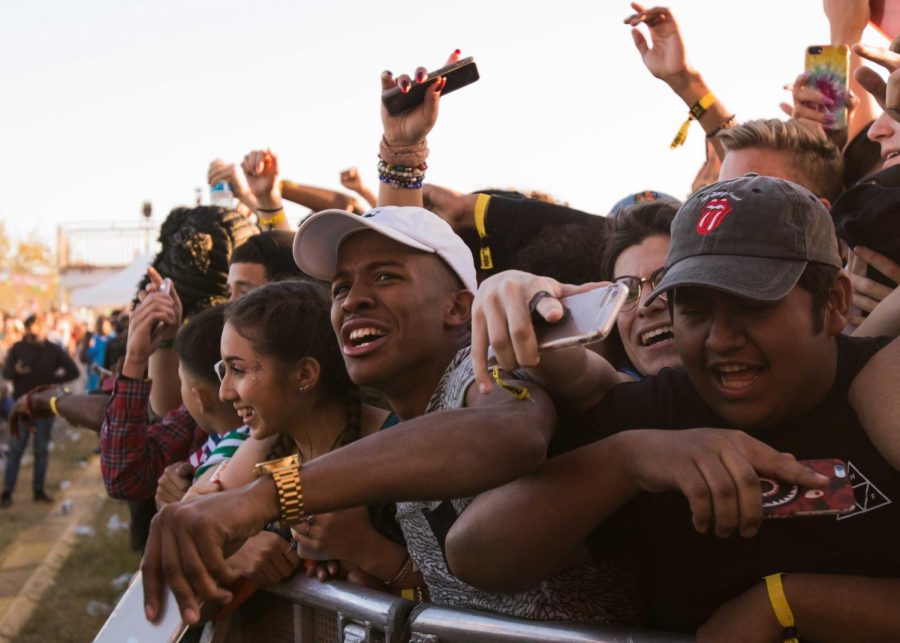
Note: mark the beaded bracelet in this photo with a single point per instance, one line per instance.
(401, 176)
(728, 123)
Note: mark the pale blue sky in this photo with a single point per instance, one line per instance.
(104, 103)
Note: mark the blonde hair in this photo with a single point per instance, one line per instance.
(817, 162)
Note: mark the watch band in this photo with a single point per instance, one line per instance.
(285, 473)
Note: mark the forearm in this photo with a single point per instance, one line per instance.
(162, 368)
(884, 320)
(873, 395)
(500, 542)
(389, 195)
(838, 609)
(368, 195)
(315, 198)
(577, 377)
(450, 454)
(83, 411)
(867, 109)
(380, 557)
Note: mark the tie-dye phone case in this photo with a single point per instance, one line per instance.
(827, 68)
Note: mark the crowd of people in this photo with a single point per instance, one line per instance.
(364, 397)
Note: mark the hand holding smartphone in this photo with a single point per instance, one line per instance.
(827, 69)
(782, 500)
(457, 75)
(590, 317)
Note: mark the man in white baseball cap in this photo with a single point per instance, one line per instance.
(316, 244)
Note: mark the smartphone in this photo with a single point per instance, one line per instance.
(128, 623)
(458, 74)
(782, 500)
(590, 318)
(827, 68)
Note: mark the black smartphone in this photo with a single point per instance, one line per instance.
(459, 74)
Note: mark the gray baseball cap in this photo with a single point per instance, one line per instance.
(752, 237)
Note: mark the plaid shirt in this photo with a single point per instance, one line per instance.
(134, 454)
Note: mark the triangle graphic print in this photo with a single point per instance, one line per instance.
(868, 496)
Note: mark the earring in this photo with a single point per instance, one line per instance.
(304, 388)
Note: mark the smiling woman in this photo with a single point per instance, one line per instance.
(282, 370)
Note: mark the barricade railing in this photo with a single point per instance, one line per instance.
(337, 611)
(341, 612)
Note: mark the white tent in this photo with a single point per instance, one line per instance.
(116, 291)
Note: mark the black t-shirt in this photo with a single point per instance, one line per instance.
(48, 364)
(686, 575)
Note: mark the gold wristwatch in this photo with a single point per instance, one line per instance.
(286, 474)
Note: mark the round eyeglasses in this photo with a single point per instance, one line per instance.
(636, 285)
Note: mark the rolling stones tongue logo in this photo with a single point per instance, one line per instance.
(712, 215)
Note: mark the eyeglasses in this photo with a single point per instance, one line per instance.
(219, 370)
(636, 285)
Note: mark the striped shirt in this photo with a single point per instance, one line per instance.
(222, 449)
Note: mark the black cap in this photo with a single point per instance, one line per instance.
(751, 237)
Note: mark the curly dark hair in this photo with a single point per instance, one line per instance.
(197, 244)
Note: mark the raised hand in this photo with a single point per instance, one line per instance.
(157, 317)
(220, 170)
(887, 94)
(261, 169)
(666, 59)
(350, 179)
(412, 126)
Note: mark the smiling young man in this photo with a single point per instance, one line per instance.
(753, 278)
(402, 285)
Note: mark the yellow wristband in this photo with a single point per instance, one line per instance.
(696, 112)
(273, 220)
(53, 406)
(780, 606)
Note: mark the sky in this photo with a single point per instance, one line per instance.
(107, 103)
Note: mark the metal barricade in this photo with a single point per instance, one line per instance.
(340, 612)
(433, 624)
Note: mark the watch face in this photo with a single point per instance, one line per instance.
(270, 466)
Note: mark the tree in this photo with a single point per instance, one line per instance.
(32, 256)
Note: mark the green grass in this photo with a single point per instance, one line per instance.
(93, 563)
(86, 575)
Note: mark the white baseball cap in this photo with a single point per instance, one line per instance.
(321, 234)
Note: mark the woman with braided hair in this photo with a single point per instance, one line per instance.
(283, 371)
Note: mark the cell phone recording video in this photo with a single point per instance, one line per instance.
(459, 74)
(590, 318)
(782, 500)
